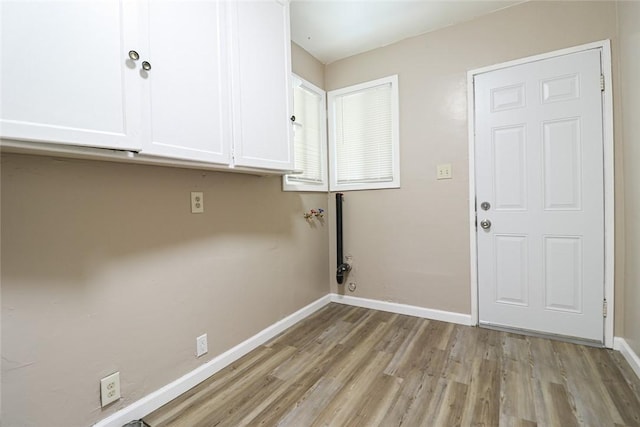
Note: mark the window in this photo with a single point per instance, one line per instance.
(364, 136)
(310, 138)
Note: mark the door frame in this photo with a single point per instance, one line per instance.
(608, 166)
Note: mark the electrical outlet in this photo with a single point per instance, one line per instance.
(444, 171)
(197, 202)
(110, 389)
(201, 345)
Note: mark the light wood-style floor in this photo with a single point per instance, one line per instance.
(347, 366)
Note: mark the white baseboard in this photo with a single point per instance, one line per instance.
(621, 345)
(410, 310)
(155, 400)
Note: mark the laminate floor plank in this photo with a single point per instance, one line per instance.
(408, 399)
(483, 400)
(426, 408)
(371, 409)
(175, 410)
(405, 354)
(351, 366)
(562, 409)
(517, 391)
(401, 327)
(234, 396)
(345, 401)
(453, 405)
(593, 402)
(315, 381)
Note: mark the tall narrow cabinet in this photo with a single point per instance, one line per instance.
(261, 85)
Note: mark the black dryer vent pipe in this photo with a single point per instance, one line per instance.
(343, 267)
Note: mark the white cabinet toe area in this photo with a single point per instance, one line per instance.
(201, 81)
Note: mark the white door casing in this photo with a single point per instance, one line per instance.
(539, 164)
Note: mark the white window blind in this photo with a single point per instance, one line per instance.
(309, 138)
(364, 136)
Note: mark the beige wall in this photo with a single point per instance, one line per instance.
(306, 66)
(105, 269)
(629, 25)
(412, 245)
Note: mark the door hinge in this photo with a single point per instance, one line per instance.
(602, 82)
(604, 308)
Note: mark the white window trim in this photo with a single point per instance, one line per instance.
(395, 135)
(288, 185)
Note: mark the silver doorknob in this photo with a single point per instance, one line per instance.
(146, 66)
(485, 224)
(134, 55)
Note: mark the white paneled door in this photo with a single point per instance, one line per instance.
(540, 196)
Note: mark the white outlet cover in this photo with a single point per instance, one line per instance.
(202, 347)
(110, 389)
(444, 171)
(197, 202)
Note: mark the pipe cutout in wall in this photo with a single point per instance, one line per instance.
(343, 267)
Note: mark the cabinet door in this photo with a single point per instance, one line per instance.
(261, 59)
(188, 83)
(65, 73)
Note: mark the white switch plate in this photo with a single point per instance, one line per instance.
(444, 171)
(110, 389)
(202, 346)
(197, 202)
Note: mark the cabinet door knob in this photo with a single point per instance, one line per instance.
(146, 66)
(293, 118)
(134, 55)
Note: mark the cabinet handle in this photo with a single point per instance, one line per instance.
(134, 55)
(146, 66)
(293, 118)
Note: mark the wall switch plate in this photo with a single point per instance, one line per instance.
(202, 346)
(444, 171)
(197, 202)
(110, 389)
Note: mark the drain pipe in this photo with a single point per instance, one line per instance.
(343, 267)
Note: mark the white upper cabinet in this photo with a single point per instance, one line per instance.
(64, 75)
(261, 89)
(192, 80)
(188, 81)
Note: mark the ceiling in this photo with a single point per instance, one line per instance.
(334, 29)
